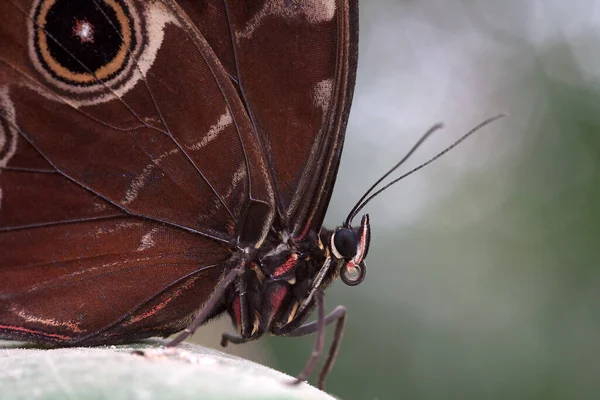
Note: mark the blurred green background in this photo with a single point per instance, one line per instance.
(483, 279)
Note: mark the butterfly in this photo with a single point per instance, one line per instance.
(164, 162)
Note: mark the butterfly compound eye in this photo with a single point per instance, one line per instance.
(344, 243)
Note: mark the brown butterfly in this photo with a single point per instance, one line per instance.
(163, 162)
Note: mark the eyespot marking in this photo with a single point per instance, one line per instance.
(82, 42)
(89, 52)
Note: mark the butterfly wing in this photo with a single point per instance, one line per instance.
(295, 66)
(125, 170)
(102, 281)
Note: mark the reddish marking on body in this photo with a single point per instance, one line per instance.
(33, 332)
(254, 267)
(237, 310)
(286, 266)
(277, 297)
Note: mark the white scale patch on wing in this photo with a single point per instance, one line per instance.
(238, 176)
(322, 94)
(102, 267)
(314, 11)
(8, 133)
(147, 241)
(99, 207)
(139, 181)
(101, 230)
(224, 121)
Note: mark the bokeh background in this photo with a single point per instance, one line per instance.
(484, 267)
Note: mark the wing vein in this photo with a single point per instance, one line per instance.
(162, 119)
(119, 206)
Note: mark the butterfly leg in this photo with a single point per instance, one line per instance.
(207, 309)
(249, 329)
(338, 315)
(227, 338)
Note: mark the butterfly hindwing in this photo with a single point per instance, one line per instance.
(103, 281)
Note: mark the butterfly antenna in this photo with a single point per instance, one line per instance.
(364, 200)
(356, 209)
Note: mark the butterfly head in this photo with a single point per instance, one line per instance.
(349, 247)
(342, 252)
